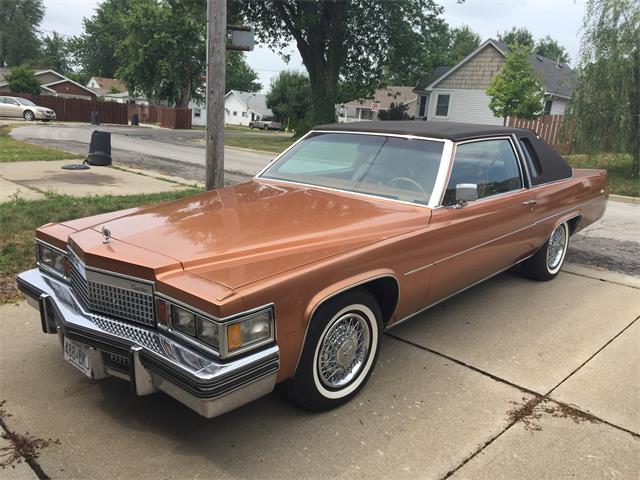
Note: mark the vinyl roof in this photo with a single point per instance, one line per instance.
(446, 130)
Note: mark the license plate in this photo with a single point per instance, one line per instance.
(77, 355)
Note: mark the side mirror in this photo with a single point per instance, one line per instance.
(466, 192)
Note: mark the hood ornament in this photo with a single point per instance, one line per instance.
(106, 233)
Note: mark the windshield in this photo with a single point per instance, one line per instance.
(391, 167)
(26, 102)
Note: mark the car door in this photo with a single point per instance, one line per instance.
(3, 107)
(473, 241)
(13, 107)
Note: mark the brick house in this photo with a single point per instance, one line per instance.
(457, 94)
(53, 83)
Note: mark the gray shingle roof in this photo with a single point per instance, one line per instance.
(255, 101)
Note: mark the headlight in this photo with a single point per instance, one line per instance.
(183, 321)
(253, 329)
(209, 332)
(51, 258)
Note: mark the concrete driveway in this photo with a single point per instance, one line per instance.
(478, 387)
(143, 143)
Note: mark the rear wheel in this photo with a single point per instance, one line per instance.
(340, 351)
(546, 264)
(29, 116)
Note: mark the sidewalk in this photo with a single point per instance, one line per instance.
(29, 180)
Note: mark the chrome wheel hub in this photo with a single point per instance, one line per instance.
(555, 251)
(344, 350)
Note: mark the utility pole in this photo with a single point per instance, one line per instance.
(216, 46)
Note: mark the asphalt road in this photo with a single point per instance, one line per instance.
(173, 145)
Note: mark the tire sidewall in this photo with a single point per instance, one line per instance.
(554, 272)
(29, 113)
(309, 389)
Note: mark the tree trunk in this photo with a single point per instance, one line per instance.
(323, 96)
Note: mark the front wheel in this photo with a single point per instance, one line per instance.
(29, 116)
(340, 351)
(546, 264)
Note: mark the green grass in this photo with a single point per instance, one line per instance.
(618, 166)
(19, 219)
(266, 142)
(12, 150)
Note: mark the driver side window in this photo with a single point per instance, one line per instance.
(490, 164)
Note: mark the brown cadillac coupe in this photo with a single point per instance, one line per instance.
(293, 276)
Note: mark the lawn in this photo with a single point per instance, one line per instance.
(12, 150)
(20, 218)
(618, 167)
(260, 141)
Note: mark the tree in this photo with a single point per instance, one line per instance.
(606, 102)
(23, 80)
(517, 36)
(19, 22)
(396, 111)
(95, 50)
(55, 53)
(549, 48)
(338, 40)
(163, 53)
(239, 75)
(463, 42)
(289, 99)
(516, 91)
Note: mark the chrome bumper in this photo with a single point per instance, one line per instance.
(150, 360)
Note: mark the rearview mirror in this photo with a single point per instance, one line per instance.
(466, 192)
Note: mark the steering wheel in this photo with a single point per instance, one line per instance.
(391, 182)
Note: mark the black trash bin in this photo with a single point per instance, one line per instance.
(95, 118)
(135, 120)
(100, 149)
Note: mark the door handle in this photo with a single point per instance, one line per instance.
(530, 202)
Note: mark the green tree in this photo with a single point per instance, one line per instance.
(396, 111)
(19, 22)
(289, 99)
(463, 42)
(606, 103)
(95, 50)
(549, 48)
(516, 91)
(55, 53)
(338, 40)
(517, 36)
(163, 53)
(239, 75)
(23, 80)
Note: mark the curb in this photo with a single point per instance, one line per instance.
(602, 275)
(625, 199)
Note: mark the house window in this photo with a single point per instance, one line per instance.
(547, 107)
(244, 114)
(197, 112)
(442, 107)
(366, 114)
(235, 114)
(423, 104)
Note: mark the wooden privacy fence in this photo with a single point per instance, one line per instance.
(179, 118)
(79, 110)
(551, 128)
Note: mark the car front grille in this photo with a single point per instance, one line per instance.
(107, 297)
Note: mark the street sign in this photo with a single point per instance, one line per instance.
(375, 106)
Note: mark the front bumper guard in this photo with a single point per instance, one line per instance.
(154, 362)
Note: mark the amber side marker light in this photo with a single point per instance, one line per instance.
(234, 336)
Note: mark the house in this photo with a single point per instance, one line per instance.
(240, 108)
(114, 90)
(457, 94)
(369, 108)
(53, 83)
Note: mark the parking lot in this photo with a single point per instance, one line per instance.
(511, 379)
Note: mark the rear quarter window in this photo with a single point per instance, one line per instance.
(530, 156)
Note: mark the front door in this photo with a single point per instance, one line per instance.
(473, 241)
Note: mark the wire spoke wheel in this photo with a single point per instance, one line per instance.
(344, 350)
(557, 245)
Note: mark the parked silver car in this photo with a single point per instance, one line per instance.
(21, 107)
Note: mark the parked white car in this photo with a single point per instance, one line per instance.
(21, 107)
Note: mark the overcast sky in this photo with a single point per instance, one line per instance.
(562, 19)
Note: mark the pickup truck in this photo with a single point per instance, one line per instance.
(266, 125)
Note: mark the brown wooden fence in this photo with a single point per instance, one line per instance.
(551, 128)
(79, 110)
(179, 118)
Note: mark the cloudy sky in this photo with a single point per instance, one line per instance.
(562, 19)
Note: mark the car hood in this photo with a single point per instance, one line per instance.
(238, 235)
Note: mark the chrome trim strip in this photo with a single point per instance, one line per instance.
(521, 158)
(410, 272)
(440, 184)
(395, 324)
(338, 292)
(385, 134)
